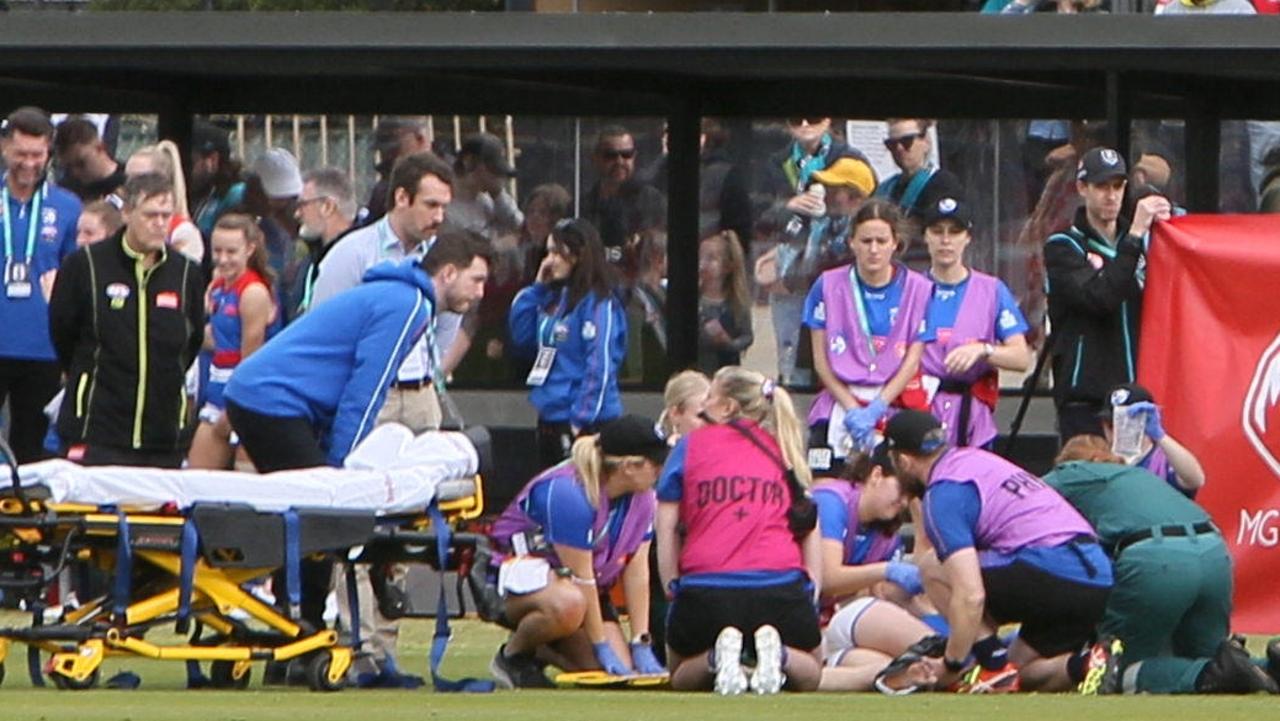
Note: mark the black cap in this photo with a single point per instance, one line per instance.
(633, 436)
(952, 209)
(1125, 394)
(490, 151)
(207, 139)
(1100, 165)
(914, 432)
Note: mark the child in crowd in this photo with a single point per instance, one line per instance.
(724, 304)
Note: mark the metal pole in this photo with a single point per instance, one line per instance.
(297, 138)
(324, 140)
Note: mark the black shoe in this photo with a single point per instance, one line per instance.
(1232, 671)
(1273, 658)
(517, 671)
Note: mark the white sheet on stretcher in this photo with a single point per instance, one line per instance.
(391, 471)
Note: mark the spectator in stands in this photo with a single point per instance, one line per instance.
(216, 185)
(572, 324)
(740, 564)
(647, 360)
(724, 303)
(127, 319)
(421, 188)
(973, 329)
(789, 177)
(39, 221)
(1270, 202)
(481, 201)
(724, 200)
(241, 309)
(827, 241)
(618, 204)
(165, 158)
(1171, 605)
(1095, 292)
(326, 212)
(591, 520)
(282, 180)
(862, 320)
(98, 221)
(1160, 453)
(88, 169)
(921, 184)
(999, 546)
(394, 138)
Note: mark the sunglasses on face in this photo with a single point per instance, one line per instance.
(905, 141)
(622, 154)
(804, 121)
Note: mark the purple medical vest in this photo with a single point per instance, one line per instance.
(975, 322)
(608, 557)
(1018, 509)
(882, 545)
(1157, 463)
(848, 348)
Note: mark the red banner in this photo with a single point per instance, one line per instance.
(1210, 353)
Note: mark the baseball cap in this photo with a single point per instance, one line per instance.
(490, 151)
(952, 209)
(386, 139)
(278, 170)
(633, 435)
(1125, 394)
(1100, 165)
(913, 431)
(848, 173)
(207, 139)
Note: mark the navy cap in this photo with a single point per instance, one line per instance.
(913, 431)
(952, 209)
(1125, 394)
(633, 435)
(1100, 165)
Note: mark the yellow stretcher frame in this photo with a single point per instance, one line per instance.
(216, 593)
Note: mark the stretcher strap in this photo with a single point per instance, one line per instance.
(353, 603)
(440, 642)
(292, 562)
(187, 575)
(124, 569)
(35, 669)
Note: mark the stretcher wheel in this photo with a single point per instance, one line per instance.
(318, 673)
(222, 674)
(66, 683)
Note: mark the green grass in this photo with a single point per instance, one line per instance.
(162, 697)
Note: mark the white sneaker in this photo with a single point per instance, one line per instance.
(768, 677)
(731, 680)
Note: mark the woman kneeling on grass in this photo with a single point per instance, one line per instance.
(748, 553)
(568, 536)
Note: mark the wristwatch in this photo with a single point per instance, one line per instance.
(987, 350)
(643, 638)
(953, 665)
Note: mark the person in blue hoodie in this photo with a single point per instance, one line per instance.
(313, 392)
(573, 326)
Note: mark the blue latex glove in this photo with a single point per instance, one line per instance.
(646, 663)
(609, 660)
(861, 423)
(904, 574)
(1155, 429)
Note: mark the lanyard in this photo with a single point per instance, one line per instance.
(549, 341)
(861, 306)
(33, 223)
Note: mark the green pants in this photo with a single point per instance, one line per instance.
(1171, 606)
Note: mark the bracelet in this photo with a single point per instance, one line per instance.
(643, 638)
(583, 581)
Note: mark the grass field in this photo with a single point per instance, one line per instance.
(162, 697)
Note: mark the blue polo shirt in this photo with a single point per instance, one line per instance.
(26, 320)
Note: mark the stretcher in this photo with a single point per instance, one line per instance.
(179, 547)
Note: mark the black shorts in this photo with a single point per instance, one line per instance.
(1057, 615)
(822, 458)
(697, 615)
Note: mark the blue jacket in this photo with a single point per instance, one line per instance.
(333, 366)
(24, 322)
(590, 342)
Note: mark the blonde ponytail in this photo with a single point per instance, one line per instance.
(769, 405)
(681, 388)
(589, 461)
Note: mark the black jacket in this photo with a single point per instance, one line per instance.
(1095, 303)
(105, 338)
